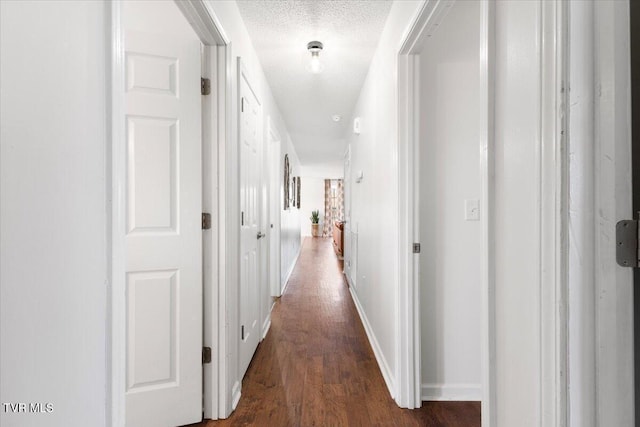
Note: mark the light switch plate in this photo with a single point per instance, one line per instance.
(472, 210)
(356, 125)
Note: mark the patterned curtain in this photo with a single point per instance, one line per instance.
(327, 225)
(340, 200)
(333, 204)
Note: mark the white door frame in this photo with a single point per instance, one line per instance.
(553, 169)
(408, 371)
(601, 292)
(217, 170)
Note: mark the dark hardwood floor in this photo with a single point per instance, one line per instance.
(316, 367)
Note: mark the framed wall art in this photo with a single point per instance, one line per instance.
(286, 181)
(294, 188)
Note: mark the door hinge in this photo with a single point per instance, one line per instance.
(206, 355)
(241, 218)
(416, 248)
(205, 86)
(627, 243)
(242, 332)
(206, 221)
(242, 104)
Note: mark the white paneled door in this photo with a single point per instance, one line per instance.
(163, 242)
(347, 250)
(250, 229)
(275, 204)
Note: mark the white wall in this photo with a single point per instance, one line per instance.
(53, 211)
(311, 199)
(328, 171)
(374, 201)
(450, 269)
(232, 24)
(290, 222)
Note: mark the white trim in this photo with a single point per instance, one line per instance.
(204, 22)
(228, 209)
(426, 19)
(266, 326)
(348, 281)
(218, 400)
(600, 300)
(486, 130)
(210, 237)
(553, 196)
(610, 194)
(116, 153)
(244, 73)
(408, 327)
(408, 368)
(451, 392)
(581, 298)
(236, 393)
(377, 351)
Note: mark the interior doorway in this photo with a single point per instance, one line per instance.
(164, 198)
(154, 74)
(448, 192)
(441, 150)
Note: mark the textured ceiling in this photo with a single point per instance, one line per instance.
(349, 30)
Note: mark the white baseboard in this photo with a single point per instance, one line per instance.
(349, 281)
(382, 362)
(235, 395)
(265, 326)
(461, 392)
(284, 288)
(288, 276)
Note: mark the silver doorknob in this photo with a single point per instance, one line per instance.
(260, 235)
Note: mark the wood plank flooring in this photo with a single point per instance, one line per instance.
(316, 367)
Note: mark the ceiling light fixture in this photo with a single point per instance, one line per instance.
(315, 47)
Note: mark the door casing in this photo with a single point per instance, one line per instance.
(600, 326)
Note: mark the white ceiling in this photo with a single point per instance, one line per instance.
(349, 30)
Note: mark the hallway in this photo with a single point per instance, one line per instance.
(316, 367)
